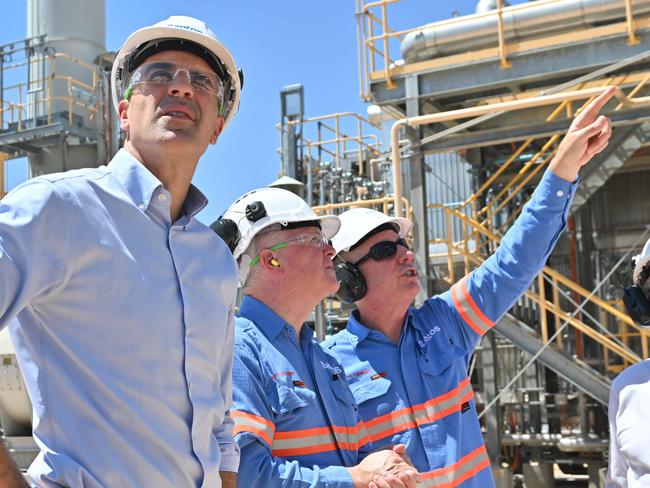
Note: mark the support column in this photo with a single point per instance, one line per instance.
(415, 190)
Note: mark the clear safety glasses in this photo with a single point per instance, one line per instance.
(162, 73)
(383, 250)
(309, 240)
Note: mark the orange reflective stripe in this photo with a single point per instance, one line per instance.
(357, 436)
(462, 470)
(254, 424)
(468, 309)
(320, 439)
(421, 414)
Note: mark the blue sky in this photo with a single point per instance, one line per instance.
(277, 43)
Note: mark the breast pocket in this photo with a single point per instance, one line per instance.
(342, 392)
(372, 392)
(284, 398)
(435, 363)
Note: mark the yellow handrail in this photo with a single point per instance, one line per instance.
(18, 105)
(607, 311)
(373, 45)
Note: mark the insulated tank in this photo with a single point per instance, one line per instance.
(520, 22)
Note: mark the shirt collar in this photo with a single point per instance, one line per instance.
(269, 322)
(141, 184)
(355, 327)
(360, 331)
(194, 202)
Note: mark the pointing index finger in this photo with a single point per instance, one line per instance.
(591, 111)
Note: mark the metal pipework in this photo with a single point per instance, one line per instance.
(520, 22)
(481, 110)
(564, 443)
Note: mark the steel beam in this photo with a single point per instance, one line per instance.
(580, 375)
(536, 68)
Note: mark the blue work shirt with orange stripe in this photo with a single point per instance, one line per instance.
(417, 392)
(296, 421)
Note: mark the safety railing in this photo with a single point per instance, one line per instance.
(384, 205)
(41, 98)
(565, 100)
(379, 43)
(506, 195)
(340, 157)
(552, 299)
(338, 136)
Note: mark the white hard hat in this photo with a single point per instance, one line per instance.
(640, 262)
(356, 223)
(258, 209)
(179, 28)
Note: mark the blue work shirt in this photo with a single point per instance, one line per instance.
(296, 421)
(417, 392)
(124, 329)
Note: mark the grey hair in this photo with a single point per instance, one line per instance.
(261, 240)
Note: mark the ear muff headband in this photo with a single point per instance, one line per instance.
(353, 285)
(636, 296)
(637, 304)
(228, 231)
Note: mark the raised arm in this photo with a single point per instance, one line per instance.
(482, 297)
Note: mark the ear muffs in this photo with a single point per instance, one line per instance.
(635, 296)
(637, 305)
(352, 283)
(228, 231)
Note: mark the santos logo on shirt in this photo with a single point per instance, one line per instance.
(428, 336)
(333, 369)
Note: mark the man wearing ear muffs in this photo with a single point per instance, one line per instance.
(629, 456)
(407, 366)
(296, 421)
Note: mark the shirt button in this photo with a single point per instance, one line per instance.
(560, 193)
(187, 333)
(162, 197)
(141, 206)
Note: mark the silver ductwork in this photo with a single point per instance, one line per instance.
(520, 22)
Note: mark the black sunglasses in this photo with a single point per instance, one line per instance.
(382, 250)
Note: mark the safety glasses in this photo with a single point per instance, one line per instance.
(382, 250)
(162, 73)
(308, 240)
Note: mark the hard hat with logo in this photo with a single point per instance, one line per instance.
(356, 223)
(185, 34)
(259, 209)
